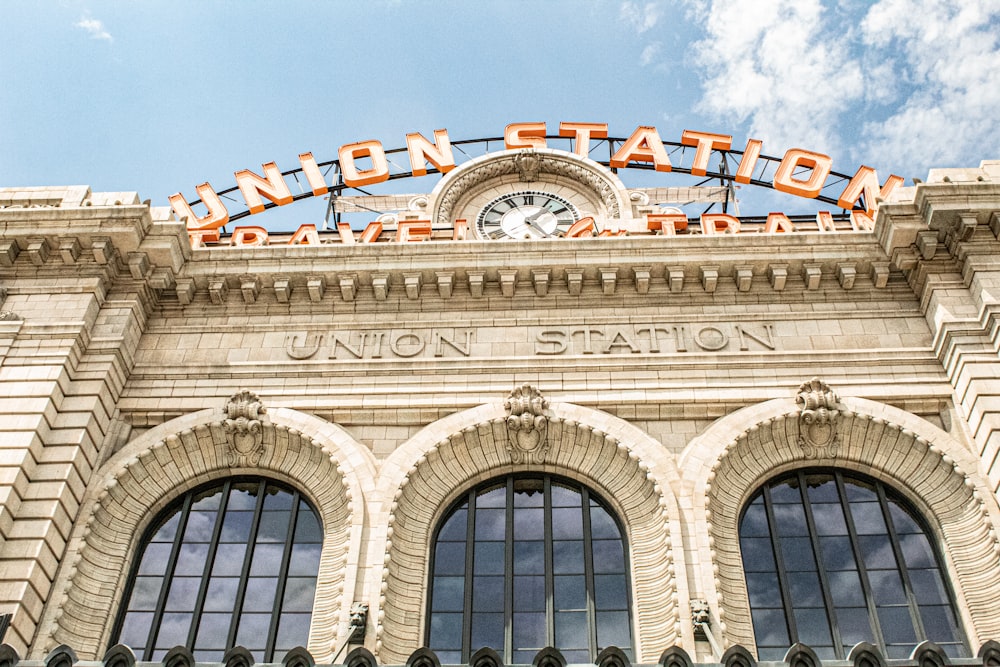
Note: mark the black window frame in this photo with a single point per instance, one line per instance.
(181, 508)
(468, 501)
(886, 496)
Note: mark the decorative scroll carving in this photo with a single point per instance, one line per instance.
(527, 425)
(527, 163)
(819, 416)
(246, 442)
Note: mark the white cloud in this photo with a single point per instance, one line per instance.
(649, 53)
(94, 28)
(908, 83)
(639, 17)
(775, 66)
(948, 56)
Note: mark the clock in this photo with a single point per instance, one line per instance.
(530, 214)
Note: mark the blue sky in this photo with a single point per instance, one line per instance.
(158, 96)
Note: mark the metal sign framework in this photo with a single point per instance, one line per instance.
(604, 148)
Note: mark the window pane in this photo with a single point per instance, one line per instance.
(798, 554)
(570, 592)
(790, 520)
(610, 591)
(449, 594)
(754, 523)
(805, 588)
(855, 587)
(236, 527)
(567, 523)
(529, 524)
(763, 589)
(571, 629)
(829, 519)
(491, 524)
(613, 629)
(769, 627)
(487, 630)
(529, 631)
(487, 593)
(529, 557)
(299, 594)
(154, 561)
(529, 593)
(813, 627)
(488, 558)
(213, 598)
(454, 528)
(446, 631)
(854, 625)
(229, 559)
(200, 526)
(567, 557)
(609, 556)
(758, 555)
(145, 593)
(547, 593)
(602, 526)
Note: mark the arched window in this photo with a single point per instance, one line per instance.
(525, 562)
(834, 558)
(229, 564)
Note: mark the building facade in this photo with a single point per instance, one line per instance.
(490, 437)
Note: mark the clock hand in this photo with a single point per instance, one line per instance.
(531, 221)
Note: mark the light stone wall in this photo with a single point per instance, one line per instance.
(123, 348)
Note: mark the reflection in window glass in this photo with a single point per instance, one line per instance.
(832, 559)
(524, 563)
(227, 564)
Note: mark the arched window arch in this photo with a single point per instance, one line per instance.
(230, 563)
(525, 562)
(833, 558)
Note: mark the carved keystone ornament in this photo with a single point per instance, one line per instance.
(246, 442)
(527, 426)
(818, 419)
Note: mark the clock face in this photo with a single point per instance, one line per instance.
(529, 214)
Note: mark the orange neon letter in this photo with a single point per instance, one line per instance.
(354, 177)
(713, 223)
(524, 135)
(216, 217)
(371, 233)
(421, 150)
(313, 174)
(795, 158)
(778, 222)
(582, 227)
(305, 235)
(865, 182)
(249, 236)
(582, 133)
(200, 236)
(413, 230)
(824, 221)
(668, 223)
(273, 187)
(705, 142)
(644, 145)
(749, 161)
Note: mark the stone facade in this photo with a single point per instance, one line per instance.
(672, 375)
